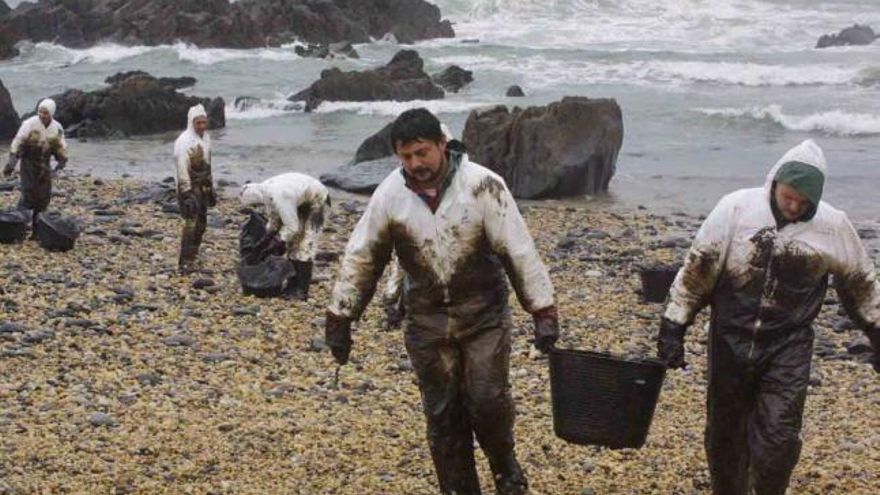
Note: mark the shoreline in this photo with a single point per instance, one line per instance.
(127, 377)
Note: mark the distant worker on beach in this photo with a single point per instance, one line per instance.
(296, 206)
(195, 185)
(38, 139)
(762, 261)
(457, 232)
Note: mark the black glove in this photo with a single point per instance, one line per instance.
(10, 165)
(337, 335)
(61, 164)
(874, 337)
(275, 246)
(546, 329)
(670, 344)
(189, 205)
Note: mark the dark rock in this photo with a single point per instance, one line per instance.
(403, 79)
(38, 336)
(149, 379)
(108, 213)
(332, 50)
(203, 283)
(453, 79)
(515, 92)
(214, 358)
(853, 35)
(568, 148)
(246, 311)
(361, 178)
(869, 234)
(376, 146)
(9, 119)
(318, 345)
(221, 23)
(171, 82)
(135, 104)
(7, 43)
(180, 340)
(10, 328)
(101, 419)
(860, 345)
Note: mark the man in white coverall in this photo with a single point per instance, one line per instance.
(456, 231)
(38, 139)
(762, 261)
(296, 206)
(195, 184)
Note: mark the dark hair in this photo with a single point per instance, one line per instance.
(415, 125)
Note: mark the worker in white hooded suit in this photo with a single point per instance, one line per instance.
(296, 205)
(762, 261)
(195, 185)
(38, 139)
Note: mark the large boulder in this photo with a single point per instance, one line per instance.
(221, 23)
(453, 79)
(853, 35)
(403, 79)
(9, 119)
(361, 178)
(135, 104)
(568, 148)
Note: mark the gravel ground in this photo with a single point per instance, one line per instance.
(119, 376)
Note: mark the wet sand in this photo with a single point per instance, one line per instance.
(123, 377)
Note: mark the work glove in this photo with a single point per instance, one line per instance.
(189, 205)
(874, 337)
(337, 336)
(546, 329)
(10, 165)
(61, 164)
(670, 344)
(275, 246)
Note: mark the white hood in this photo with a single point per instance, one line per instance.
(807, 152)
(49, 105)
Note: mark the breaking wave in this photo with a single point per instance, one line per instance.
(832, 123)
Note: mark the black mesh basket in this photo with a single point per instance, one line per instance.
(656, 282)
(13, 226)
(602, 400)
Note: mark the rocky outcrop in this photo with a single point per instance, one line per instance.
(403, 79)
(568, 148)
(453, 79)
(171, 82)
(134, 104)
(361, 178)
(515, 92)
(853, 35)
(221, 23)
(9, 119)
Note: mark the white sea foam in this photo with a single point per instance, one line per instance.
(832, 122)
(263, 109)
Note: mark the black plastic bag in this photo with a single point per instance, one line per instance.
(13, 226)
(56, 232)
(266, 278)
(252, 232)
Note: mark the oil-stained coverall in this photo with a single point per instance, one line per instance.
(195, 186)
(765, 280)
(296, 205)
(458, 323)
(35, 144)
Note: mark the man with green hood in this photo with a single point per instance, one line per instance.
(762, 261)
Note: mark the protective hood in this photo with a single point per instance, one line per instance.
(252, 195)
(803, 167)
(194, 113)
(48, 105)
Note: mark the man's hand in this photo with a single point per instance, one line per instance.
(546, 329)
(10, 165)
(189, 205)
(337, 336)
(275, 246)
(670, 344)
